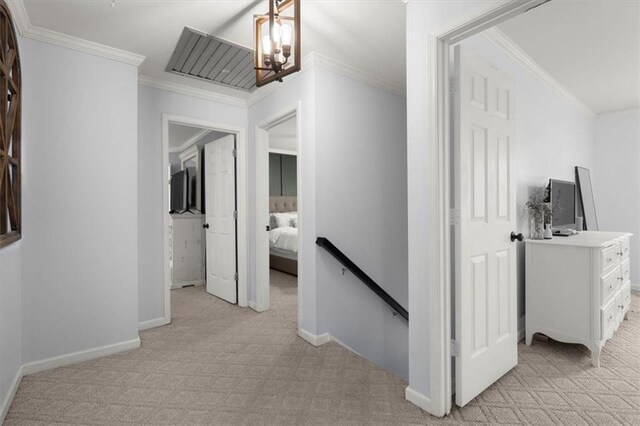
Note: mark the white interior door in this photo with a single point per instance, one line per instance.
(485, 271)
(220, 199)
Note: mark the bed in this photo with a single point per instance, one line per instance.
(283, 234)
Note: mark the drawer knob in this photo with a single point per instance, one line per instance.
(620, 253)
(620, 278)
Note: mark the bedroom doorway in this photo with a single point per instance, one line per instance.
(278, 245)
(184, 142)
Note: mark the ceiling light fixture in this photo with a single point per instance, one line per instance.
(277, 41)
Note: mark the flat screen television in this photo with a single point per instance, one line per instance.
(563, 204)
(191, 188)
(179, 191)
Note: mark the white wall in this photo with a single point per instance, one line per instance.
(299, 88)
(152, 103)
(283, 136)
(10, 320)
(353, 191)
(361, 206)
(616, 178)
(79, 246)
(552, 137)
(422, 17)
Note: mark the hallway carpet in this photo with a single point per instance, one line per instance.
(221, 365)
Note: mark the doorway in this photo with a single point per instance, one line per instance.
(278, 186)
(191, 154)
(433, 153)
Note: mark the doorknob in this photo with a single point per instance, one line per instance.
(205, 226)
(515, 236)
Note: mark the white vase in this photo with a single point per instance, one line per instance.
(547, 232)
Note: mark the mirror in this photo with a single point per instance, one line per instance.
(587, 202)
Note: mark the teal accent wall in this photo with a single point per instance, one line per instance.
(283, 174)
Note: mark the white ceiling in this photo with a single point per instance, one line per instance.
(179, 134)
(591, 47)
(367, 35)
(283, 136)
(286, 129)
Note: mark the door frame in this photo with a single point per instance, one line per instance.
(241, 196)
(262, 170)
(438, 207)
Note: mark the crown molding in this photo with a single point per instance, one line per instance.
(337, 67)
(316, 60)
(511, 49)
(187, 144)
(183, 89)
(262, 92)
(27, 30)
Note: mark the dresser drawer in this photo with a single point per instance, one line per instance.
(609, 284)
(610, 316)
(625, 271)
(610, 257)
(625, 248)
(626, 296)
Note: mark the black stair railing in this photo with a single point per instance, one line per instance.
(366, 279)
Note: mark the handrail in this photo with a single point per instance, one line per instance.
(366, 279)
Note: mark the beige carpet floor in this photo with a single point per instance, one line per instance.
(220, 365)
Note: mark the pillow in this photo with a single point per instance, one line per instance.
(291, 216)
(272, 221)
(282, 220)
(294, 221)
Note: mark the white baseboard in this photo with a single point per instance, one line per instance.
(72, 358)
(421, 401)
(315, 340)
(6, 402)
(158, 322)
(333, 338)
(635, 287)
(186, 283)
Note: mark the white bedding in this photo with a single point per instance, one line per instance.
(284, 238)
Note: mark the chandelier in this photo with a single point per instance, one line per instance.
(277, 41)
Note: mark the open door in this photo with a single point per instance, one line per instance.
(220, 202)
(485, 198)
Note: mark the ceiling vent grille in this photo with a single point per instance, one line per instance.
(213, 59)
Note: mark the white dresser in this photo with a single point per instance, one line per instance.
(186, 249)
(577, 288)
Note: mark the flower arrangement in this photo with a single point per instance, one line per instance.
(538, 203)
(539, 210)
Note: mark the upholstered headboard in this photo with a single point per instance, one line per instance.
(283, 204)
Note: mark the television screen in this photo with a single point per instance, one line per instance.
(179, 185)
(191, 172)
(563, 204)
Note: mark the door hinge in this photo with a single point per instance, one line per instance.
(454, 217)
(235, 215)
(453, 85)
(235, 152)
(455, 348)
(235, 276)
